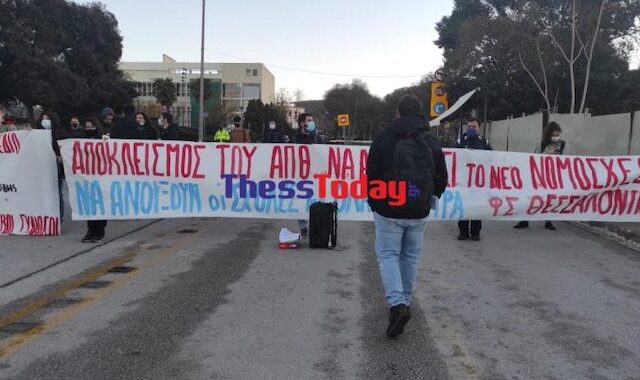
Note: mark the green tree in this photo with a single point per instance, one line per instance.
(61, 55)
(164, 90)
(194, 86)
(366, 110)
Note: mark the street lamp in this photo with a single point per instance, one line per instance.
(201, 108)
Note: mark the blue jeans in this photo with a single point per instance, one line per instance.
(303, 223)
(398, 248)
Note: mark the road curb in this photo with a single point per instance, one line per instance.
(612, 232)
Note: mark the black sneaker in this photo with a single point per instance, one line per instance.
(550, 226)
(304, 233)
(463, 237)
(87, 238)
(398, 317)
(97, 239)
(521, 225)
(475, 237)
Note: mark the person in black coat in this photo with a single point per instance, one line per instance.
(95, 228)
(170, 130)
(472, 140)
(129, 128)
(380, 162)
(306, 135)
(145, 128)
(271, 135)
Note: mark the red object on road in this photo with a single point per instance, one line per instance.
(288, 245)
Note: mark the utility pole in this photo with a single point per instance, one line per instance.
(201, 108)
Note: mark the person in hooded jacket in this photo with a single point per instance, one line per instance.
(271, 135)
(107, 117)
(472, 140)
(399, 235)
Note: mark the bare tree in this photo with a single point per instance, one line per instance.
(283, 97)
(572, 58)
(589, 55)
(544, 92)
(298, 95)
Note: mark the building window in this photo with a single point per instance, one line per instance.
(248, 72)
(232, 105)
(231, 90)
(255, 72)
(250, 91)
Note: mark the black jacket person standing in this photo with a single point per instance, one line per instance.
(472, 140)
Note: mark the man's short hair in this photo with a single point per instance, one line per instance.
(168, 116)
(303, 117)
(237, 120)
(410, 105)
(474, 118)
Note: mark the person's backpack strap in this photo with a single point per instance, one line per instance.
(562, 145)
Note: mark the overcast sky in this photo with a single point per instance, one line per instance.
(350, 37)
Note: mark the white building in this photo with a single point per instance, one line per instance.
(235, 84)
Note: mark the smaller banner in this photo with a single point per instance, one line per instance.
(29, 203)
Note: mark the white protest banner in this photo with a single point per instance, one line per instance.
(28, 184)
(129, 179)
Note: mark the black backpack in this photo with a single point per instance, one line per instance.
(323, 225)
(413, 163)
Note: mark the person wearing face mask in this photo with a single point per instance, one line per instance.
(49, 121)
(75, 130)
(95, 228)
(551, 143)
(306, 135)
(239, 134)
(271, 135)
(306, 129)
(470, 229)
(106, 120)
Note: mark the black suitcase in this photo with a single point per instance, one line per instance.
(323, 225)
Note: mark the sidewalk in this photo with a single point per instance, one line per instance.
(626, 232)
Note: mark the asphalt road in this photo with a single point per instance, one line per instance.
(215, 298)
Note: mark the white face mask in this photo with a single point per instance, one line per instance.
(46, 123)
(272, 126)
(555, 138)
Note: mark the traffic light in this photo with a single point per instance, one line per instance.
(439, 99)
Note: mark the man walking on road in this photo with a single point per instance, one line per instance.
(404, 153)
(472, 140)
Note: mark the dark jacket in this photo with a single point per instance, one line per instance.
(272, 136)
(309, 138)
(172, 132)
(76, 133)
(380, 162)
(478, 143)
(127, 128)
